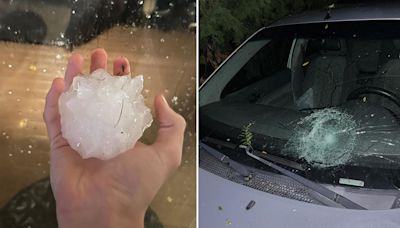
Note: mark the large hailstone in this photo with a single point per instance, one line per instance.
(103, 115)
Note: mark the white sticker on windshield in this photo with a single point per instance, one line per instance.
(351, 182)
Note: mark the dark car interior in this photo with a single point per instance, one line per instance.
(350, 64)
(28, 21)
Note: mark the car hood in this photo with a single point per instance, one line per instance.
(222, 203)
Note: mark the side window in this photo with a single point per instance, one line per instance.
(268, 61)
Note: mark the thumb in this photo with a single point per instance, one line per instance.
(169, 141)
(51, 114)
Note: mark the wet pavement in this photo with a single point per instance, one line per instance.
(168, 63)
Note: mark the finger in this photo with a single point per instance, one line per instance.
(121, 66)
(51, 114)
(98, 60)
(169, 140)
(75, 67)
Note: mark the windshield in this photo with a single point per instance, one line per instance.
(324, 95)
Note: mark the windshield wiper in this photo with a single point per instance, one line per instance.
(243, 171)
(322, 190)
(270, 157)
(345, 202)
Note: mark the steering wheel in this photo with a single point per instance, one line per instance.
(374, 90)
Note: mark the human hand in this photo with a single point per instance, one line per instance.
(113, 193)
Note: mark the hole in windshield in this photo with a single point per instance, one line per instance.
(324, 138)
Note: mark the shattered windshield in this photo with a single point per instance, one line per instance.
(324, 95)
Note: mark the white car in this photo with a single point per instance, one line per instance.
(300, 126)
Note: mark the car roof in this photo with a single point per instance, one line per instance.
(345, 12)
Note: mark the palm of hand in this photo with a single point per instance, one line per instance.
(124, 179)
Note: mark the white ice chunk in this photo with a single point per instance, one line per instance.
(103, 115)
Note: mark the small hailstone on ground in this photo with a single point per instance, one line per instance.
(103, 115)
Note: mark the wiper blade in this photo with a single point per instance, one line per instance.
(345, 202)
(280, 160)
(270, 157)
(226, 160)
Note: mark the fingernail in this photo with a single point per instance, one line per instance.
(165, 101)
(163, 98)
